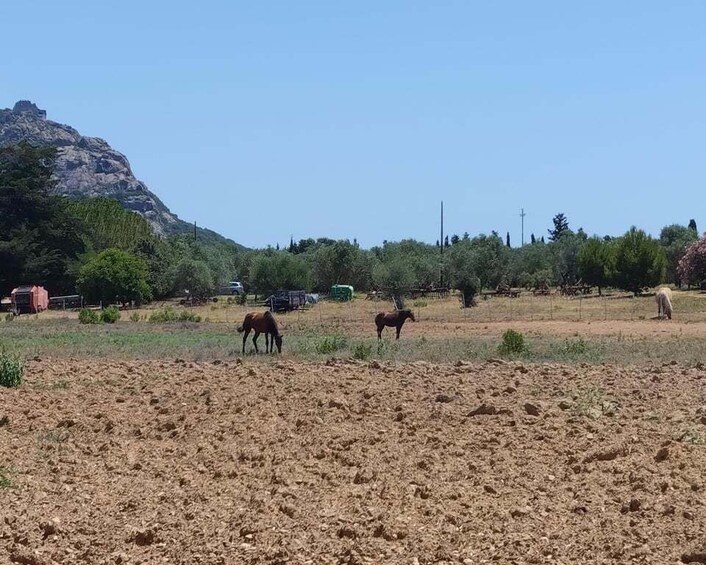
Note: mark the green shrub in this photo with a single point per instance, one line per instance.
(331, 344)
(11, 369)
(135, 317)
(170, 315)
(9, 317)
(362, 351)
(88, 316)
(693, 437)
(592, 402)
(5, 481)
(513, 343)
(110, 315)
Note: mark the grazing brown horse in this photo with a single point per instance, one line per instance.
(262, 322)
(392, 319)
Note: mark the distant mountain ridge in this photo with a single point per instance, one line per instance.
(88, 167)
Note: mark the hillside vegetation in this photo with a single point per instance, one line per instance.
(54, 241)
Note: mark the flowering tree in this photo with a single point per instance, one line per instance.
(692, 267)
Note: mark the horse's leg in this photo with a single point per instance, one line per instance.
(254, 340)
(380, 332)
(399, 327)
(245, 336)
(267, 342)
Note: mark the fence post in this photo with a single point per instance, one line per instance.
(580, 306)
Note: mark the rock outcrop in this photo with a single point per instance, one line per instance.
(87, 166)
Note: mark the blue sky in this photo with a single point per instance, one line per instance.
(354, 120)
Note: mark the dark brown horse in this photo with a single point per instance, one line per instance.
(392, 319)
(262, 322)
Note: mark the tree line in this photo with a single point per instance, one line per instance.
(96, 248)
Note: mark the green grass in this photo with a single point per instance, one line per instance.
(331, 344)
(11, 368)
(592, 402)
(5, 480)
(61, 384)
(64, 338)
(693, 437)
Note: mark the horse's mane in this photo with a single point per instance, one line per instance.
(274, 327)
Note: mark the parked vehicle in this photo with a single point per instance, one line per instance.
(236, 287)
(29, 299)
(286, 300)
(342, 292)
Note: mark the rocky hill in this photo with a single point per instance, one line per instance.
(89, 166)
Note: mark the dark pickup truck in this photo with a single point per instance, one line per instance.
(286, 300)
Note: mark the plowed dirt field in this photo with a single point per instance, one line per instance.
(292, 462)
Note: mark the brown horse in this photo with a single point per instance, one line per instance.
(392, 319)
(262, 322)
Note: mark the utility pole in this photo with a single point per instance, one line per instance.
(522, 216)
(441, 241)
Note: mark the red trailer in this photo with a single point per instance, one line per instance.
(29, 299)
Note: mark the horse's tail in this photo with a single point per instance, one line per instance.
(246, 322)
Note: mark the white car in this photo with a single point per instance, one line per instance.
(236, 287)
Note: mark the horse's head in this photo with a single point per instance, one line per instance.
(410, 315)
(278, 343)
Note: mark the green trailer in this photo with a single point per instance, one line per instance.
(342, 292)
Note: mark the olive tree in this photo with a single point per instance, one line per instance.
(114, 275)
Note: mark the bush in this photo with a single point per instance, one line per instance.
(88, 316)
(170, 315)
(362, 351)
(11, 369)
(135, 317)
(513, 343)
(110, 315)
(330, 344)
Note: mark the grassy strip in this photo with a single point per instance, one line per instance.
(205, 342)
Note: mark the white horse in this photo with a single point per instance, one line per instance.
(663, 296)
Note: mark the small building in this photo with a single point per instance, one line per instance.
(29, 299)
(342, 292)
